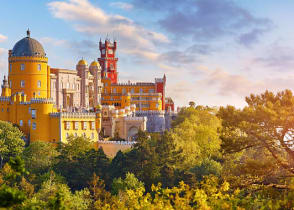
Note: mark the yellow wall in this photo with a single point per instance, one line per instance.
(113, 94)
(30, 75)
(80, 131)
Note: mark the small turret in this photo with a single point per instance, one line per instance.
(5, 88)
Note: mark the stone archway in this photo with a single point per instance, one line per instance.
(132, 132)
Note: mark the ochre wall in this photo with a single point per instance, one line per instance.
(30, 75)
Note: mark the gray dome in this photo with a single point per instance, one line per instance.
(28, 47)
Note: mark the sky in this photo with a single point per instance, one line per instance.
(213, 52)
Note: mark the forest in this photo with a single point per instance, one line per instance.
(212, 158)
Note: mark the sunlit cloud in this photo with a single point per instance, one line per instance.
(3, 38)
(122, 5)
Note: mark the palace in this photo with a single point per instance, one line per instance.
(49, 104)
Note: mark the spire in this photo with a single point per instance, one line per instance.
(28, 33)
(5, 83)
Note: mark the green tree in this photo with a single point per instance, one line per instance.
(130, 182)
(11, 142)
(195, 131)
(154, 159)
(10, 197)
(266, 122)
(78, 161)
(40, 157)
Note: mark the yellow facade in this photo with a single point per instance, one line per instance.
(143, 95)
(29, 75)
(25, 99)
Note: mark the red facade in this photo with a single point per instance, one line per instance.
(160, 88)
(108, 61)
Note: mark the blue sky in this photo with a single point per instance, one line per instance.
(214, 52)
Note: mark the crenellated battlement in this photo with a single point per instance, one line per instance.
(42, 101)
(72, 115)
(5, 98)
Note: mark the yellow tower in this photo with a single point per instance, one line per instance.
(29, 72)
(5, 88)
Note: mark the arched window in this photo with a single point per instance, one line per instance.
(22, 83)
(34, 126)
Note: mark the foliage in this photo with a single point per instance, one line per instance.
(10, 196)
(11, 143)
(267, 122)
(195, 131)
(40, 157)
(130, 182)
(211, 159)
(78, 161)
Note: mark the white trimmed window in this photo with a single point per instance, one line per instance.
(39, 67)
(39, 83)
(22, 83)
(34, 126)
(20, 123)
(76, 125)
(67, 125)
(93, 125)
(67, 85)
(22, 67)
(85, 125)
(34, 114)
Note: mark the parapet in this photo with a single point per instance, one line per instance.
(5, 98)
(42, 101)
(72, 115)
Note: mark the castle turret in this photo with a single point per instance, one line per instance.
(83, 72)
(95, 70)
(6, 91)
(28, 69)
(108, 61)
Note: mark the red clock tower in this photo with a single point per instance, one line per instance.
(108, 61)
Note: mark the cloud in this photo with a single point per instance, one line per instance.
(122, 5)
(94, 22)
(251, 37)
(3, 63)
(278, 57)
(214, 19)
(228, 84)
(3, 38)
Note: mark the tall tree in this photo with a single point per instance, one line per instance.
(11, 142)
(195, 131)
(40, 157)
(266, 122)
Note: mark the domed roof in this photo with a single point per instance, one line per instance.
(95, 63)
(83, 62)
(28, 47)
